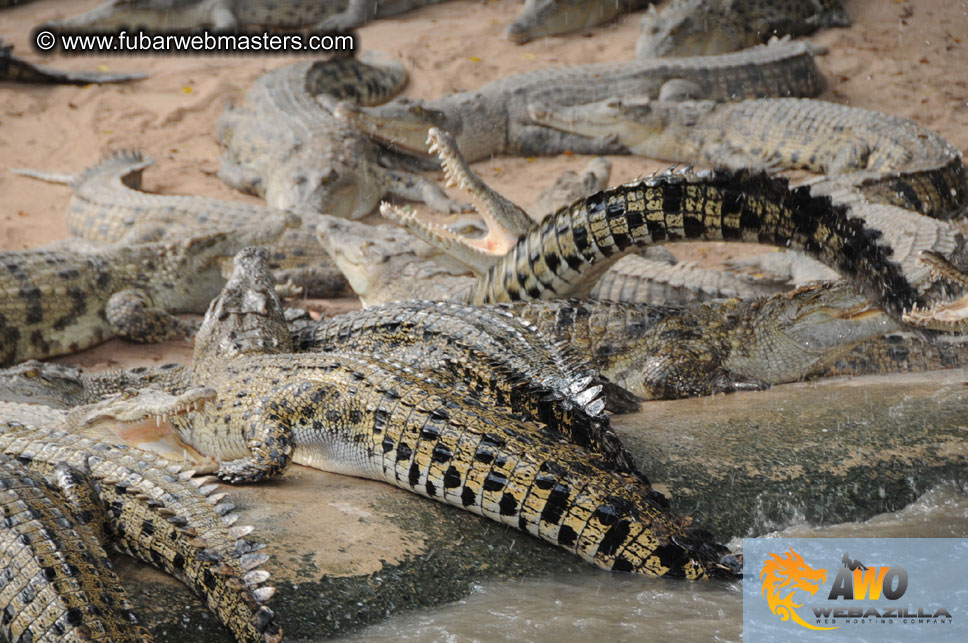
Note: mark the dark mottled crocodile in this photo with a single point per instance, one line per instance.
(541, 18)
(168, 15)
(282, 142)
(108, 206)
(885, 158)
(16, 69)
(494, 118)
(703, 27)
(56, 302)
(670, 352)
(57, 581)
(156, 513)
(490, 354)
(353, 414)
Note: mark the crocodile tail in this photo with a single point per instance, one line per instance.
(940, 192)
(51, 558)
(158, 513)
(569, 250)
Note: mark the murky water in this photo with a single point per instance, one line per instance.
(598, 605)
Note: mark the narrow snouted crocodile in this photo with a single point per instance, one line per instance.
(16, 69)
(494, 119)
(887, 159)
(704, 27)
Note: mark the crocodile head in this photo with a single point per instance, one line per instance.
(33, 382)
(247, 317)
(692, 28)
(335, 188)
(541, 18)
(154, 14)
(630, 121)
(379, 260)
(400, 124)
(142, 419)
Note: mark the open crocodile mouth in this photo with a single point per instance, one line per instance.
(143, 420)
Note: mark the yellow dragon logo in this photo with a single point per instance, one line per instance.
(790, 572)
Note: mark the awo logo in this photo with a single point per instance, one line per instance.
(786, 575)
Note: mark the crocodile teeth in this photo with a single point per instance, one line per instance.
(256, 577)
(262, 594)
(251, 561)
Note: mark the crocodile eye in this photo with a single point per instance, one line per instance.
(31, 373)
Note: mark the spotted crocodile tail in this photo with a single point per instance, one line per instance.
(52, 561)
(394, 424)
(564, 255)
(159, 514)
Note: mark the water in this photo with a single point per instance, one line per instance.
(599, 605)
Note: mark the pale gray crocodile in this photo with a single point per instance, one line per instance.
(169, 15)
(16, 69)
(541, 18)
(54, 302)
(494, 118)
(703, 27)
(108, 206)
(283, 144)
(886, 159)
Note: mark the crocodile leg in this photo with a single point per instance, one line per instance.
(132, 316)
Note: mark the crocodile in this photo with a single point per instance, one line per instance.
(662, 352)
(58, 583)
(16, 69)
(886, 159)
(704, 27)
(56, 302)
(173, 15)
(156, 512)
(357, 415)
(541, 18)
(642, 278)
(492, 355)
(283, 143)
(494, 119)
(108, 206)
(509, 233)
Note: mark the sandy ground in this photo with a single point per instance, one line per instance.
(902, 57)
